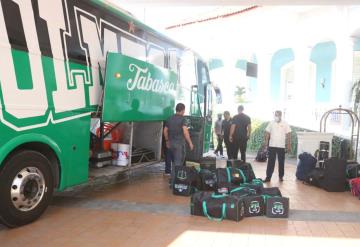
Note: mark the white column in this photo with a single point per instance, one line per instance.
(264, 85)
(304, 96)
(342, 81)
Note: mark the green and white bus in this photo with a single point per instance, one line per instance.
(64, 62)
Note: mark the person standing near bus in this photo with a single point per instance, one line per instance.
(240, 133)
(176, 134)
(226, 125)
(219, 135)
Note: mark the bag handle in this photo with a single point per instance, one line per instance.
(215, 196)
(223, 212)
(257, 181)
(239, 170)
(266, 196)
(241, 188)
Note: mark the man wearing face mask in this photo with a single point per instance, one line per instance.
(277, 135)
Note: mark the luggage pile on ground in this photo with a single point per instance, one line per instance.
(229, 193)
(335, 175)
(330, 177)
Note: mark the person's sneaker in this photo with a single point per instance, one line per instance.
(281, 179)
(167, 173)
(266, 180)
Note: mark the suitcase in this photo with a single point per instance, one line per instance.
(334, 179)
(352, 170)
(186, 180)
(246, 168)
(254, 206)
(277, 207)
(208, 180)
(217, 207)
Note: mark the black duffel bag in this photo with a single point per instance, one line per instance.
(227, 177)
(271, 191)
(196, 202)
(246, 168)
(208, 180)
(277, 207)
(242, 191)
(254, 206)
(315, 176)
(186, 180)
(217, 207)
(255, 184)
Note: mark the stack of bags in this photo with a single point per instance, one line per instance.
(229, 193)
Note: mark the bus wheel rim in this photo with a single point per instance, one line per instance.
(27, 189)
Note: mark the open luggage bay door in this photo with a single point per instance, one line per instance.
(137, 91)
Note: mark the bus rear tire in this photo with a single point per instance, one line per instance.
(26, 188)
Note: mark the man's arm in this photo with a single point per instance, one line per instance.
(232, 130)
(166, 135)
(187, 137)
(249, 130)
(267, 134)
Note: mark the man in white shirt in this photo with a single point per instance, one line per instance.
(277, 133)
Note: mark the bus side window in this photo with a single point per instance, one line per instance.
(173, 61)
(133, 49)
(156, 56)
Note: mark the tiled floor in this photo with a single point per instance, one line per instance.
(143, 212)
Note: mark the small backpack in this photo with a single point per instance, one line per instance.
(262, 154)
(305, 165)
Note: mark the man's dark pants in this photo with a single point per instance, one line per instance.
(280, 152)
(219, 145)
(178, 151)
(228, 146)
(169, 159)
(239, 144)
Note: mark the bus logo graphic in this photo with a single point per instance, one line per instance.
(254, 207)
(277, 208)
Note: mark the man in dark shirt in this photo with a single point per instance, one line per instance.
(226, 125)
(176, 133)
(239, 133)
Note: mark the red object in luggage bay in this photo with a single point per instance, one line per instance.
(115, 136)
(355, 186)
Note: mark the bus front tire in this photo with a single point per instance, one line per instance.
(26, 188)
